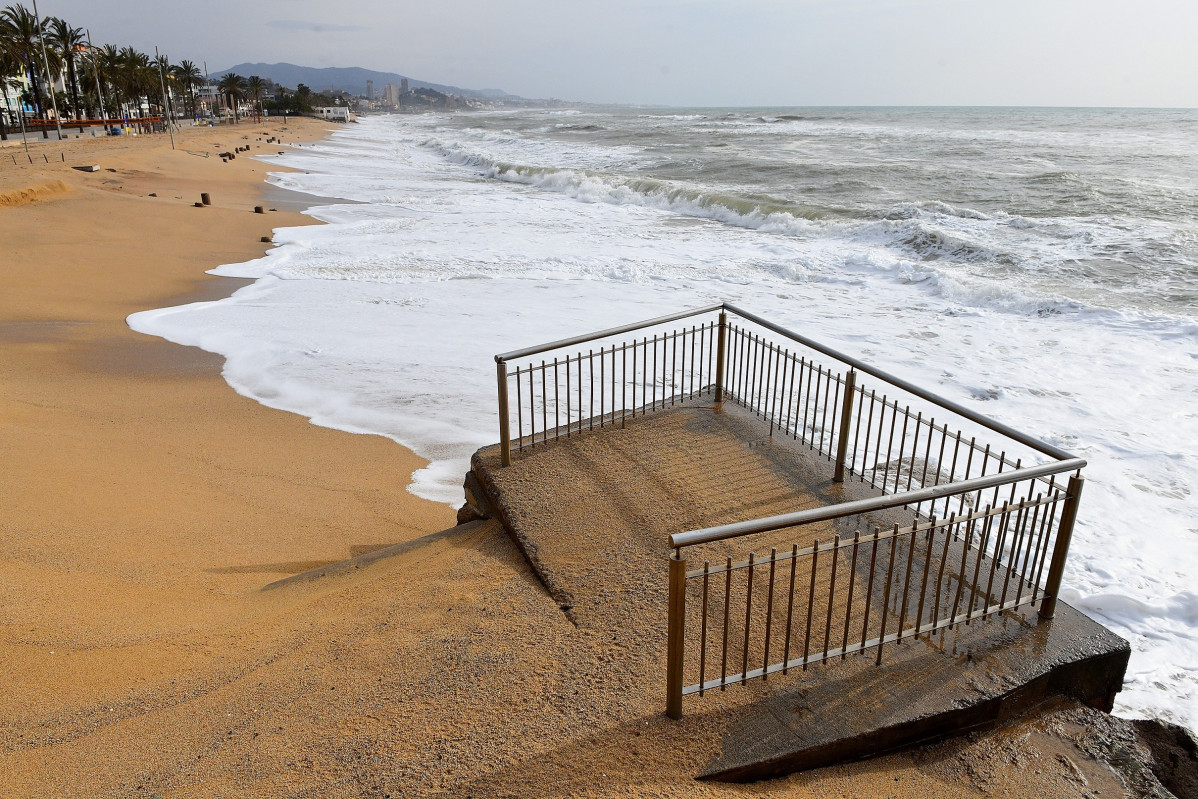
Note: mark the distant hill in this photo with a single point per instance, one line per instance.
(349, 79)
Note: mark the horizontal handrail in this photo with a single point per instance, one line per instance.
(973, 416)
(737, 529)
(615, 331)
(967, 413)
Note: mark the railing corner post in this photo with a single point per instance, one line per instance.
(505, 436)
(846, 417)
(675, 644)
(721, 347)
(1060, 552)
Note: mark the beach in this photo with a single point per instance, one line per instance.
(148, 506)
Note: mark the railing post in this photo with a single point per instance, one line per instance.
(846, 418)
(505, 436)
(1060, 552)
(677, 624)
(721, 346)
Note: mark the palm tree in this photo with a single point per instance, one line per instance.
(19, 26)
(10, 68)
(255, 86)
(67, 42)
(233, 86)
(189, 78)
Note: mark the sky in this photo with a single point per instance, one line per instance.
(700, 52)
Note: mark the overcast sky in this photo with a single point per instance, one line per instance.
(701, 52)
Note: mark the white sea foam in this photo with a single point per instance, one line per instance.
(385, 319)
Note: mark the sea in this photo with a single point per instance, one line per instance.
(1038, 265)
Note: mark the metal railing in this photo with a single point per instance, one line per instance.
(976, 501)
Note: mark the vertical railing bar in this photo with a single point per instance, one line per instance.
(1003, 516)
(848, 611)
(860, 403)
(690, 383)
(544, 406)
(519, 411)
(673, 368)
(1002, 463)
(727, 611)
(532, 410)
(769, 614)
(810, 603)
(819, 383)
(914, 450)
(703, 623)
(1031, 540)
(823, 421)
(949, 535)
(968, 468)
(1050, 518)
(927, 454)
(927, 565)
(886, 596)
(952, 473)
(963, 577)
(1017, 536)
(898, 469)
(977, 565)
(940, 464)
(580, 390)
(774, 392)
(1014, 484)
(869, 590)
(878, 446)
(977, 497)
(755, 383)
(602, 385)
(744, 663)
(790, 395)
(653, 381)
(806, 402)
(890, 446)
(831, 597)
(557, 405)
(907, 581)
(790, 601)
(633, 386)
(873, 401)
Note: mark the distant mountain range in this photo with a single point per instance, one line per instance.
(349, 79)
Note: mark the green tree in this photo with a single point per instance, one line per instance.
(19, 27)
(10, 69)
(68, 42)
(189, 78)
(233, 86)
(255, 86)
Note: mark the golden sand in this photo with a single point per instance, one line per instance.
(144, 506)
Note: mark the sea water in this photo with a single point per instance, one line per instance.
(1039, 266)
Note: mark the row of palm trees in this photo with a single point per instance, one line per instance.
(106, 79)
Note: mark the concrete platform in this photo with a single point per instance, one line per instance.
(592, 514)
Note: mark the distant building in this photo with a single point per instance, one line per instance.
(403, 86)
(369, 90)
(391, 95)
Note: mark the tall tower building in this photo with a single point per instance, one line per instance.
(369, 90)
(403, 86)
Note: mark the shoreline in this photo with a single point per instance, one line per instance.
(148, 505)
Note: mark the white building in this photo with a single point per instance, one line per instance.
(337, 113)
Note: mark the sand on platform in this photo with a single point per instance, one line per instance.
(144, 507)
